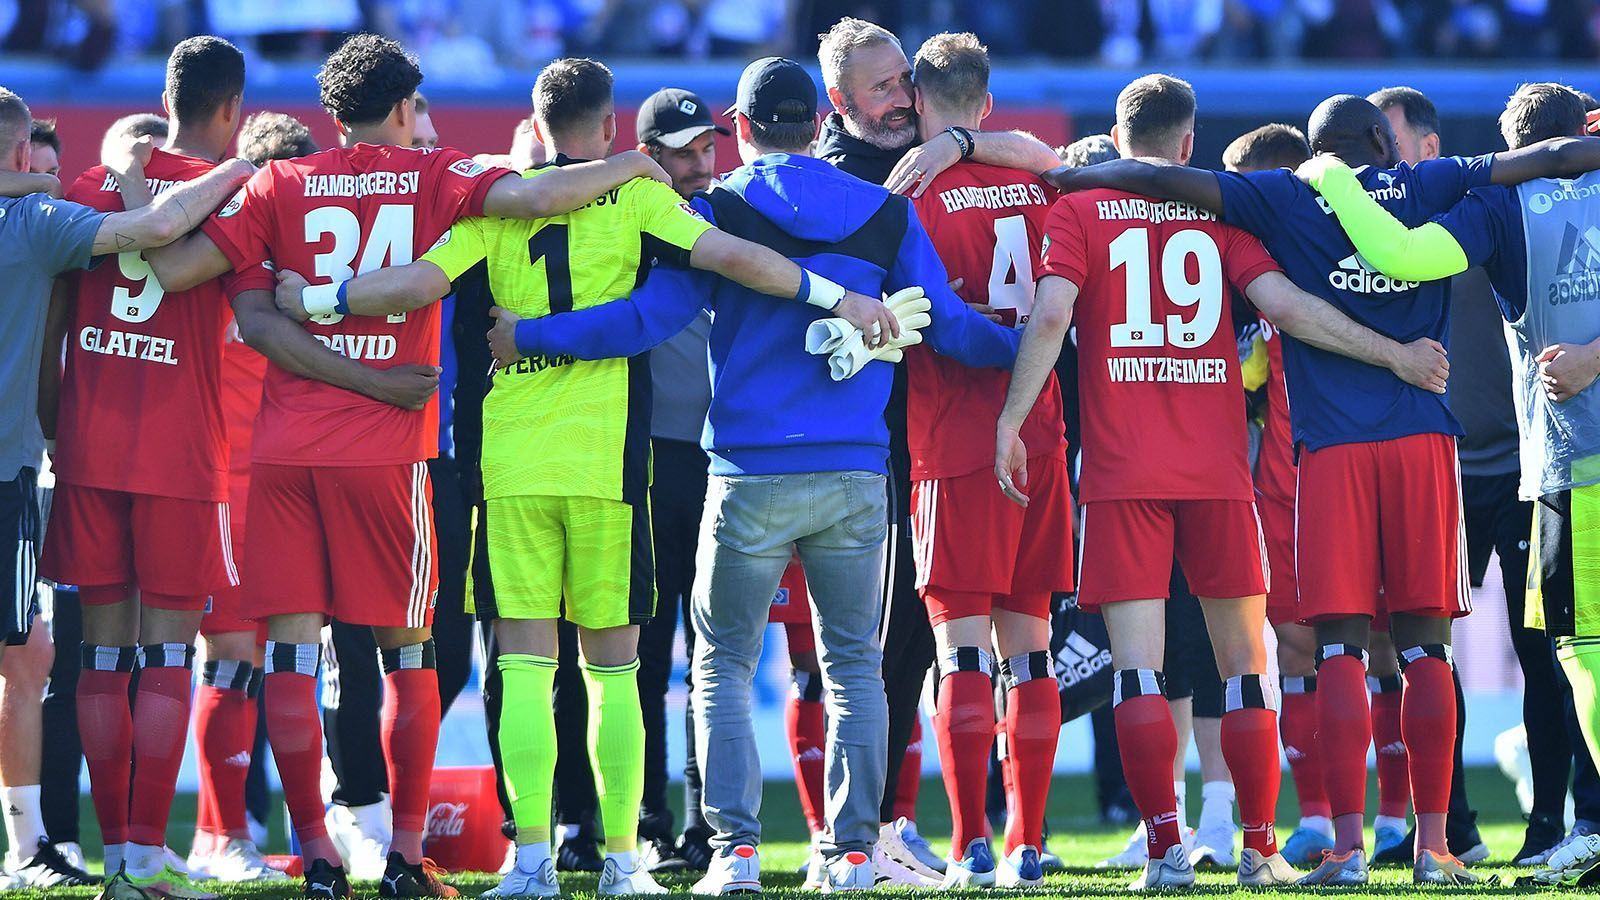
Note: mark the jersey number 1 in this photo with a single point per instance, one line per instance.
(1131, 253)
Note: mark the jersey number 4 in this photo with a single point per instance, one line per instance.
(1011, 273)
(391, 239)
(1131, 253)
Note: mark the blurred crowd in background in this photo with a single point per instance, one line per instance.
(479, 41)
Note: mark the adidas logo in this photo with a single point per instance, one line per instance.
(1577, 278)
(1356, 276)
(1078, 659)
(240, 760)
(1397, 748)
(13, 810)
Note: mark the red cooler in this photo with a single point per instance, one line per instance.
(464, 820)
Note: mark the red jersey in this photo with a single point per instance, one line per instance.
(987, 224)
(243, 371)
(1275, 469)
(140, 410)
(331, 216)
(1158, 366)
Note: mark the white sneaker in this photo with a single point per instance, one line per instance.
(72, 852)
(1172, 870)
(1256, 870)
(1135, 854)
(517, 883)
(1213, 845)
(894, 864)
(850, 872)
(234, 861)
(974, 869)
(1021, 868)
(510, 862)
(733, 870)
(361, 834)
(623, 875)
(894, 858)
(814, 872)
(918, 845)
(174, 861)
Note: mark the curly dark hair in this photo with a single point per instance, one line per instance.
(203, 73)
(266, 136)
(365, 78)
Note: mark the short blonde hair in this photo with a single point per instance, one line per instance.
(952, 71)
(848, 35)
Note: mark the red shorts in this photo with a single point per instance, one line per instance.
(1128, 546)
(976, 550)
(352, 542)
(167, 547)
(1380, 530)
(1277, 520)
(792, 604)
(226, 614)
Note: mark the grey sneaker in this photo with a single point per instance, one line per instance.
(1172, 870)
(733, 870)
(1339, 869)
(1435, 868)
(850, 872)
(1256, 870)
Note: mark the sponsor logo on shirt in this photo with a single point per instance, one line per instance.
(1389, 191)
(1566, 192)
(235, 203)
(1355, 276)
(1578, 270)
(466, 168)
(443, 239)
(691, 211)
(1078, 659)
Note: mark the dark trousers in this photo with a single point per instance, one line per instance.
(908, 651)
(677, 501)
(63, 751)
(1497, 521)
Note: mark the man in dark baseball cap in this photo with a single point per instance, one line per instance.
(776, 90)
(676, 130)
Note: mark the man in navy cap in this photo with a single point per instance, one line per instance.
(676, 130)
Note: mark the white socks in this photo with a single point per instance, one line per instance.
(1216, 805)
(1181, 791)
(141, 861)
(531, 856)
(24, 822)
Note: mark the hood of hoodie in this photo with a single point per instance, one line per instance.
(854, 155)
(806, 197)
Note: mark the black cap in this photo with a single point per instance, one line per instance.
(765, 86)
(674, 117)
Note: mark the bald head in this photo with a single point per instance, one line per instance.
(1353, 129)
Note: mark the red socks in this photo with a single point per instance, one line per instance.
(1394, 782)
(1148, 743)
(802, 716)
(224, 728)
(910, 784)
(160, 728)
(1428, 722)
(1344, 731)
(1250, 746)
(105, 720)
(410, 733)
(1033, 727)
(1297, 722)
(964, 727)
(294, 728)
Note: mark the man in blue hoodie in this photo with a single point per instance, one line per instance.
(797, 459)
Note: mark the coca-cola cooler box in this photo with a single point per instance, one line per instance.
(464, 820)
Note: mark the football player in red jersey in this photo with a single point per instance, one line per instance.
(225, 704)
(1274, 147)
(1165, 469)
(988, 225)
(338, 483)
(144, 530)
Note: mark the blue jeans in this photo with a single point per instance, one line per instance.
(838, 523)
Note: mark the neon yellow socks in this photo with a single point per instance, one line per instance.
(1580, 660)
(528, 741)
(616, 749)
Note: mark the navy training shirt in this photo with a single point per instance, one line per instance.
(1487, 223)
(1334, 399)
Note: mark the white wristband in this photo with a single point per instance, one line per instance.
(822, 292)
(320, 299)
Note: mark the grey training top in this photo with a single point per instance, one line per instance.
(680, 376)
(40, 238)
